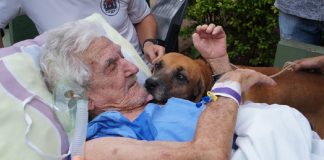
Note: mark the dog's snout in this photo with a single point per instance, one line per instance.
(150, 84)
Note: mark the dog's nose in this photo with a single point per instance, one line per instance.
(150, 84)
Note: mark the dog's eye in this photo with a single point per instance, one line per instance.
(158, 65)
(181, 77)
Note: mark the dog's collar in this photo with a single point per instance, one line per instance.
(216, 77)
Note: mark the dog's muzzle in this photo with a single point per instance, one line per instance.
(151, 84)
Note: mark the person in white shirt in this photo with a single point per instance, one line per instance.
(131, 18)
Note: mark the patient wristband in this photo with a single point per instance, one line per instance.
(229, 89)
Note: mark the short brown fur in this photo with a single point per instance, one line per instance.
(301, 90)
(166, 81)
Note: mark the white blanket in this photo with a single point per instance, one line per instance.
(292, 138)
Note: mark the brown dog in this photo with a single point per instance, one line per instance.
(176, 75)
(301, 90)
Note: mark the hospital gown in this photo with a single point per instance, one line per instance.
(262, 131)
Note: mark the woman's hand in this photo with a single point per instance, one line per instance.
(310, 63)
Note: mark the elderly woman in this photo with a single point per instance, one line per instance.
(81, 53)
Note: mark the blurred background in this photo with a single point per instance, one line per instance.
(251, 26)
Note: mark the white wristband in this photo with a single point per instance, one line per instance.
(230, 89)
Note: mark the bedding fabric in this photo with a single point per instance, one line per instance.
(22, 91)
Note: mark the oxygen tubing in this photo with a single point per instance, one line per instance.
(81, 122)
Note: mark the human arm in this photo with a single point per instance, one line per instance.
(210, 41)
(206, 145)
(147, 29)
(310, 63)
(212, 140)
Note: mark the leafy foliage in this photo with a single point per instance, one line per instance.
(251, 27)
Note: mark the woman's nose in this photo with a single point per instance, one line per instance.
(130, 68)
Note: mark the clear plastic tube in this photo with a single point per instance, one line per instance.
(81, 122)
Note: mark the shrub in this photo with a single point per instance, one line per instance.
(251, 27)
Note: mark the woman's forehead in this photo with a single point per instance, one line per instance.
(100, 42)
(101, 49)
(97, 46)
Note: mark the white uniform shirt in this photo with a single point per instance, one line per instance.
(48, 14)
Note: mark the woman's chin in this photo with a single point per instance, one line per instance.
(139, 94)
(149, 97)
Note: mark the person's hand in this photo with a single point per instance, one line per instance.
(247, 78)
(152, 51)
(210, 41)
(309, 63)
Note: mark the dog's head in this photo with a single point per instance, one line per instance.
(176, 75)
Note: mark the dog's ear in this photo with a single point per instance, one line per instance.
(157, 66)
(206, 73)
(199, 89)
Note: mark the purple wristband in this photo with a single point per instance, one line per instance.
(228, 91)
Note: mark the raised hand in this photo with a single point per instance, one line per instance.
(210, 41)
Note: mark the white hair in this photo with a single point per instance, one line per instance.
(60, 59)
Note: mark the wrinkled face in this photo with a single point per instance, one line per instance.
(113, 82)
(176, 75)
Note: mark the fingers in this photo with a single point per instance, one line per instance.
(201, 29)
(296, 67)
(247, 78)
(309, 63)
(251, 77)
(300, 64)
(210, 28)
(160, 51)
(149, 55)
(266, 80)
(195, 39)
(217, 30)
(153, 52)
(210, 31)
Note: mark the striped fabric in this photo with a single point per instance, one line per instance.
(20, 79)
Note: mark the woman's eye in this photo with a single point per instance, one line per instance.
(111, 65)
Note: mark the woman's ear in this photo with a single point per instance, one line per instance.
(91, 108)
(91, 105)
